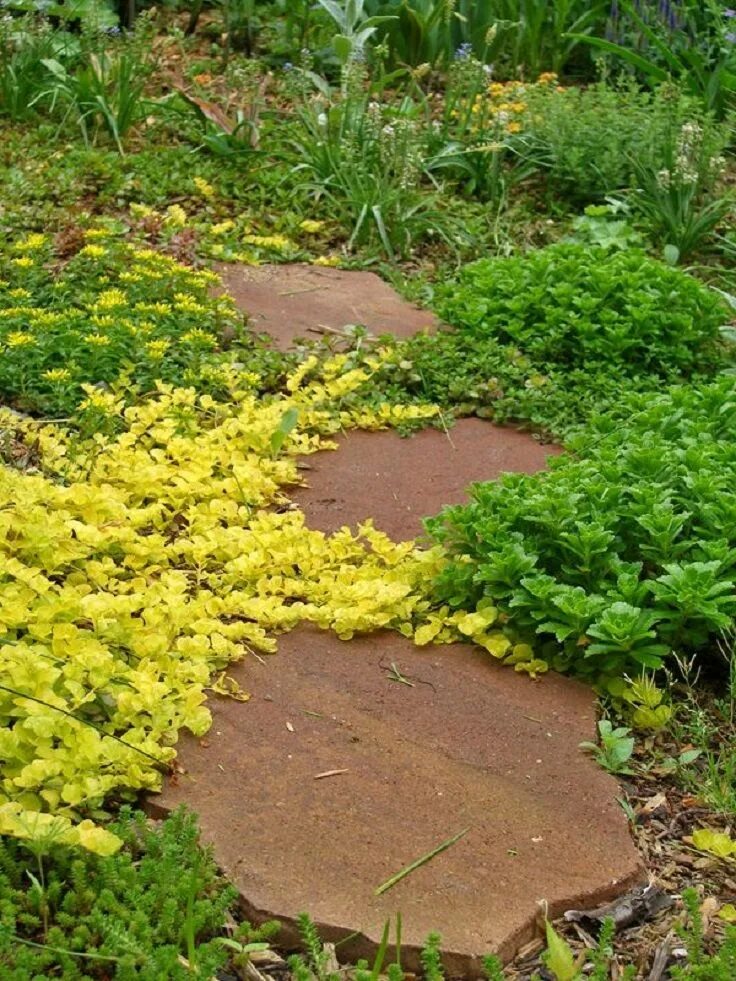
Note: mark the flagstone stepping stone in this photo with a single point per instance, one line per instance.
(301, 301)
(399, 481)
(354, 759)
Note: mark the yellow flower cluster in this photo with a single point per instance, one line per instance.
(274, 243)
(503, 108)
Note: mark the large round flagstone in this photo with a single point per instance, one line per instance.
(459, 743)
(399, 481)
(297, 301)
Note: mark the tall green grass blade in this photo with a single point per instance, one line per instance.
(407, 870)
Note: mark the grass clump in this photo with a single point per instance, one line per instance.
(589, 142)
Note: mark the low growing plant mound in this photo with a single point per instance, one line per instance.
(68, 913)
(553, 337)
(619, 554)
(572, 307)
(112, 315)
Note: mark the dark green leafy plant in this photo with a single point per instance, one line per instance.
(690, 42)
(106, 90)
(527, 36)
(25, 46)
(555, 336)
(681, 200)
(362, 162)
(132, 915)
(622, 552)
(571, 307)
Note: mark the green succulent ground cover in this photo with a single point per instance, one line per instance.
(550, 337)
(113, 315)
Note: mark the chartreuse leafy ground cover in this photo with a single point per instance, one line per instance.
(555, 183)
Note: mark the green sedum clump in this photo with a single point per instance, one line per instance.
(113, 316)
(572, 307)
(552, 337)
(134, 915)
(625, 550)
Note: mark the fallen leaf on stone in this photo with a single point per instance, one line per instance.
(642, 903)
(290, 727)
(728, 913)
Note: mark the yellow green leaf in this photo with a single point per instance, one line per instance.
(715, 842)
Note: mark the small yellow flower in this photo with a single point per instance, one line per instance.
(514, 127)
(205, 189)
(24, 262)
(326, 260)
(31, 243)
(57, 375)
(19, 293)
(153, 308)
(188, 304)
(103, 321)
(157, 349)
(222, 227)
(111, 300)
(19, 338)
(310, 226)
(141, 211)
(198, 336)
(277, 242)
(94, 234)
(97, 340)
(93, 251)
(100, 401)
(176, 216)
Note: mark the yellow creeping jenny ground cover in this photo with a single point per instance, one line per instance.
(136, 567)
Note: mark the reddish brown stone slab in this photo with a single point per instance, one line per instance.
(470, 745)
(399, 481)
(298, 301)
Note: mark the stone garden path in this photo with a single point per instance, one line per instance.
(353, 759)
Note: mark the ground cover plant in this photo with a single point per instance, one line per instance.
(127, 915)
(621, 554)
(552, 336)
(149, 439)
(109, 314)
